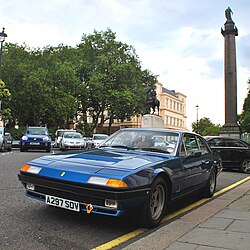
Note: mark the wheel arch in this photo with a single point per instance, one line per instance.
(167, 180)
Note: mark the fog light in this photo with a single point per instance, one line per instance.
(111, 203)
(30, 186)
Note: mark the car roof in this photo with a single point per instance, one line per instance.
(36, 127)
(221, 137)
(162, 130)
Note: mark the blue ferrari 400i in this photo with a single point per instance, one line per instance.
(133, 171)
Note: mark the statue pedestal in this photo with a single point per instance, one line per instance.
(230, 130)
(152, 121)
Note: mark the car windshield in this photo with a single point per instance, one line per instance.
(60, 133)
(99, 137)
(150, 140)
(72, 135)
(37, 131)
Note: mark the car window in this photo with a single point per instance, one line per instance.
(160, 141)
(72, 135)
(37, 131)
(190, 144)
(202, 145)
(235, 143)
(217, 142)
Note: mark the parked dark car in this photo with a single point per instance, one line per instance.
(126, 174)
(235, 153)
(36, 138)
(16, 144)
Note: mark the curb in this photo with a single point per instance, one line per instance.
(166, 235)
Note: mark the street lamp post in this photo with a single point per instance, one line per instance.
(2, 39)
(197, 119)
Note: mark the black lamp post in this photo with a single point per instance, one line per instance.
(197, 119)
(2, 39)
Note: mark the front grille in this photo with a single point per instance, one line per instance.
(70, 196)
(36, 139)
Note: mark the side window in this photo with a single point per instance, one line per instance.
(190, 143)
(235, 143)
(203, 147)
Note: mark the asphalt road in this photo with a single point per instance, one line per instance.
(29, 224)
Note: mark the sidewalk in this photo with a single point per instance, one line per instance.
(223, 223)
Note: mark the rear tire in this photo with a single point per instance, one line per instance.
(211, 184)
(245, 166)
(154, 207)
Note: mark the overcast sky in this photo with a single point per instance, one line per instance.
(178, 40)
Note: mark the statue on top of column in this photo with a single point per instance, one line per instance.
(228, 13)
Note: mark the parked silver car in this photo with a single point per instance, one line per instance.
(5, 140)
(98, 138)
(59, 135)
(72, 140)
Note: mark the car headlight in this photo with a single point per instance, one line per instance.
(109, 182)
(24, 137)
(30, 169)
(46, 138)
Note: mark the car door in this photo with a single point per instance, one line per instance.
(192, 161)
(219, 146)
(238, 151)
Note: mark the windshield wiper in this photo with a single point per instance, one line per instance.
(159, 150)
(119, 146)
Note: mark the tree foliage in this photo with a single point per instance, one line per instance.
(112, 79)
(97, 81)
(42, 84)
(244, 118)
(4, 95)
(205, 127)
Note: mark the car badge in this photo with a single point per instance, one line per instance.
(89, 208)
(62, 174)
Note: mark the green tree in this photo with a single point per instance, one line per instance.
(4, 96)
(43, 83)
(205, 127)
(244, 118)
(113, 84)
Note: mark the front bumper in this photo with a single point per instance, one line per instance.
(128, 201)
(39, 145)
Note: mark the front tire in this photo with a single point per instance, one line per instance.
(245, 166)
(211, 185)
(155, 205)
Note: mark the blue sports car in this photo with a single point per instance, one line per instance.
(133, 170)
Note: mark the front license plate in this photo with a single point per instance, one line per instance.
(34, 143)
(60, 202)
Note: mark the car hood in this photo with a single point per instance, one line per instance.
(98, 162)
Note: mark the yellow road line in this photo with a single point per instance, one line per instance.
(137, 232)
(120, 240)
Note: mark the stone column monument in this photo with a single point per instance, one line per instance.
(231, 127)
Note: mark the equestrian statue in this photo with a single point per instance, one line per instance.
(152, 100)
